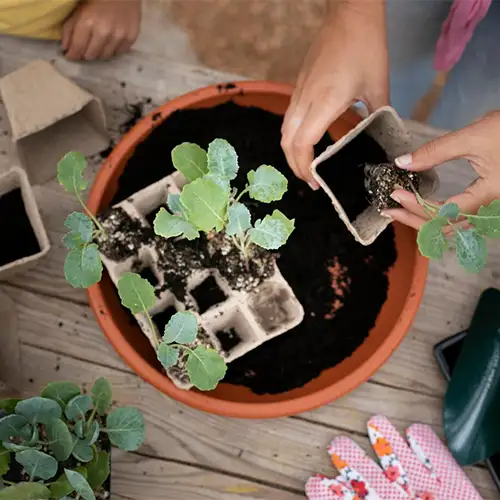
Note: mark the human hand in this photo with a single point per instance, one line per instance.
(477, 143)
(347, 62)
(99, 29)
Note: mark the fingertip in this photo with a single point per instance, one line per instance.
(405, 161)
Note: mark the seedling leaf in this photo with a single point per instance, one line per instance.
(471, 249)
(126, 428)
(206, 368)
(81, 229)
(38, 410)
(4, 460)
(70, 172)
(136, 293)
(98, 470)
(272, 232)
(169, 226)
(8, 406)
(267, 184)
(60, 392)
(222, 159)
(431, 240)
(206, 204)
(12, 426)
(37, 464)
(80, 484)
(102, 395)
(83, 266)
(62, 486)
(487, 220)
(82, 451)
(239, 219)
(167, 355)
(450, 211)
(174, 204)
(223, 183)
(182, 328)
(190, 160)
(93, 434)
(78, 407)
(25, 491)
(60, 440)
(79, 428)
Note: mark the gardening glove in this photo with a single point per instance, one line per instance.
(419, 468)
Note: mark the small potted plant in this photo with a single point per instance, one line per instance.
(57, 445)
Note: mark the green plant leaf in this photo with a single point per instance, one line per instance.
(70, 172)
(239, 220)
(431, 240)
(102, 395)
(222, 159)
(78, 407)
(4, 460)
(39, 410)
(14, 448)
(91, 436)
(266, 184)
(170, 226)
(223, 183)
(62, 486)
(136, 293)
(98, 470)
(79, 428)
(190, 160)
(25, 491)
(83, 266)
(8, 406)
(472, 251)
(12, 426)
(60, 392)
(182, 328)
(487, 220)
(206, 368)
(80, 484)
(174, 204)
(60, 440)
(37, 464)
(206, 204)
(450, 211)
(126, 428)
(81, 229)
(273, 231)
(167, 355)
(82, 451)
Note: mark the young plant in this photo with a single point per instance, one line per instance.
(205, 367)
(59, 439)
(83, 266)
(471, 248)
(208, 203)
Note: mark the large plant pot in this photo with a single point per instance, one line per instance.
(406, 283)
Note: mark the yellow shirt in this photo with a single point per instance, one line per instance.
(34, 18)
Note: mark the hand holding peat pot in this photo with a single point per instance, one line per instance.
(347, 62)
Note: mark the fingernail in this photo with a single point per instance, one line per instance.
(385, 214)
(404, 161)
(313, 185)
(396, 198)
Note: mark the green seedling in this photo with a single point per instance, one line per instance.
(209, 203)
(205, 367)
(58, 438)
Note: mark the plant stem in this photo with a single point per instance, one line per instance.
(90, 214)
(10, 483)
(153, 329)
(91, 419)
(238, 198)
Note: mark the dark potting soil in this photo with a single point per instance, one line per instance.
(228, 339)
(319, 243)
(19, 239)
(208, 294)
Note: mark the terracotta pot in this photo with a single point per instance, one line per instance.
(406, 284)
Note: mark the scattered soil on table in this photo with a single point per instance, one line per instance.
(208, 294)
(19, 239)
(320, 241)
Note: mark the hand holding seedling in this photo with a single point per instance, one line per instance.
(470, 216)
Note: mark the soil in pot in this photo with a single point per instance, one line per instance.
(19, 238)
(341, 284)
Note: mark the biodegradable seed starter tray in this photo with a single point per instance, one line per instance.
(256, 316)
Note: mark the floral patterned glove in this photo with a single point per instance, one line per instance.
(419, 467)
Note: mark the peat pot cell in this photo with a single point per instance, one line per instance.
(148, 274)
(208, 294)
(161, 319)
(228, 339)
(150, 217)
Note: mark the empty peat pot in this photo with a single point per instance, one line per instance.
(406, 280)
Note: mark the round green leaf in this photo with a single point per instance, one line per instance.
(170, 226)
(60, 392)
(79, 428)
(82, 451)
(450, 211)
(126, 428)
(25, 491)
(98, 470)
(92, 434)
(78, 407)
(8, 406)
(83, 266)
(272, 232)
(136, 293)
(167, 355)
(431, 240)
(59, 436)
(62, 486)
(4, 460)
(80, 484)
(37, 464)
(102, 394)
(206, 368)
(487, 220)
(12, 426)
(14, 448)
(239, 220)
(181, 329)
(81, 228)
(222, 159)
(39, 410)
(174, 204)
(472, 251)
(190, 160)
(266, 184)
(70, 172)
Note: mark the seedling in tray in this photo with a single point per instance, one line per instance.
(56, 446)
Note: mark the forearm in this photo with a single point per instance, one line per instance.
(358, 10)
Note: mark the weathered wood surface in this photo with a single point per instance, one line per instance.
(190, 455)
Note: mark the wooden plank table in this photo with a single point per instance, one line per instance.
(190, 455)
